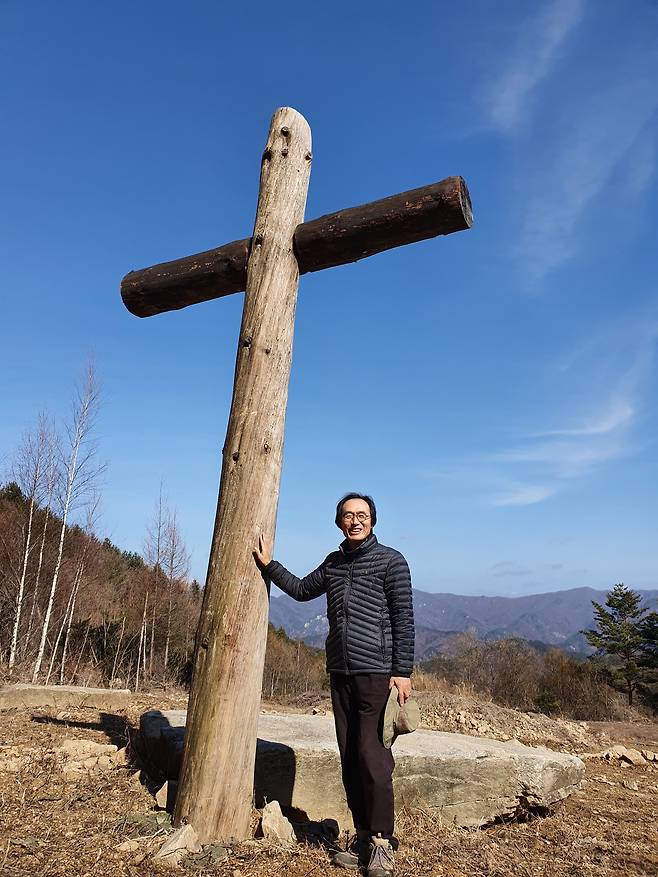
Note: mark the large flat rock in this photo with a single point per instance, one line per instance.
(468, 781)
(25, 696)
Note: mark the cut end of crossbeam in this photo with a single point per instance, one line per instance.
(465, 201)
(170, 286)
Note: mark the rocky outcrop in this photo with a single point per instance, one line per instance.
(467, 781)
(26, 696)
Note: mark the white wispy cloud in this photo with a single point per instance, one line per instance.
(557, 455)
(612, 375)
(565, 459)
(575, 118)
(598, 140)
(539, 41)
(619, 411)
(517, 494)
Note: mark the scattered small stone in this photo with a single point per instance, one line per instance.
(27, 843)
(604, 779)
(13, 758)
(162, 795)
(120, 757)
(630, 784)
(274, 824)
(178, 845)
(128, 846)
(633, 756)
(77, 750)
(614, 751)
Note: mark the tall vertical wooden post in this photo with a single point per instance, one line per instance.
(216, 782)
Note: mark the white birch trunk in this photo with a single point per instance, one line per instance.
(168, 637)
(76, 471)
(77, 663)
(156, 573)
(70, 622)
(116, 654)
(53, 654)
(53, 587)
(142, 641)
(21, 587)
(35, 596)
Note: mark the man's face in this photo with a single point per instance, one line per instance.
(355, 520)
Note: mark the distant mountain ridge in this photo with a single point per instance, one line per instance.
(554, 618)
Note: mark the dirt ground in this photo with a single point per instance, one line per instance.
(53, 823)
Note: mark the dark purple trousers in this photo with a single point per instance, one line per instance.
(367, 766)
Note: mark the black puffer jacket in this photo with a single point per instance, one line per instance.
(369, 607)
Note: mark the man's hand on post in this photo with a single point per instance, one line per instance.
(403, 685)
(263, 553)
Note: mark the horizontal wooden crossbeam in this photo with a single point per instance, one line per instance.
(334, 239)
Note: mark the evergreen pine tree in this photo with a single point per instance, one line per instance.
(648, 661)
(619, 634)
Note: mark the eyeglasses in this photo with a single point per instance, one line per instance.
(360, 516)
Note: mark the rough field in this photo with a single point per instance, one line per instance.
(58, 818)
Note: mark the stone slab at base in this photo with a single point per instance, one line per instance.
(26, 696)
(467, 781)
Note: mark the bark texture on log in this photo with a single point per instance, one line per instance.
(173, 285)
(335, 239)
(358, 232)
(216, 782)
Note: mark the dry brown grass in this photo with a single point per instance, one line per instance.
(72, 829)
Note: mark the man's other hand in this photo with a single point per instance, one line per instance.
(263, 553)
(403, 685)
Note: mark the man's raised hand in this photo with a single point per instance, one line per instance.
(263, 553)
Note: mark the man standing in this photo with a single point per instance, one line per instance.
(370, 649)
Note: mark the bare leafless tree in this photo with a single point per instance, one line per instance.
(92, 515)
(80, 471)
(51, 476)
(153, 556)
(176, 565)
(33, 462)
(142, 641)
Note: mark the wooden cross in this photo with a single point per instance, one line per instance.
(216, 781)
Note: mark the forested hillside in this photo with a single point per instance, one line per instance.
(113, 619)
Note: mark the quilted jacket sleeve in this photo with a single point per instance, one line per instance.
(312, 585)
(397, 586)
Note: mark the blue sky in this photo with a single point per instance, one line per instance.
(494, 390)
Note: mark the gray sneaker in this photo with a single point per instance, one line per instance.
(381, 862)
(356, 853)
